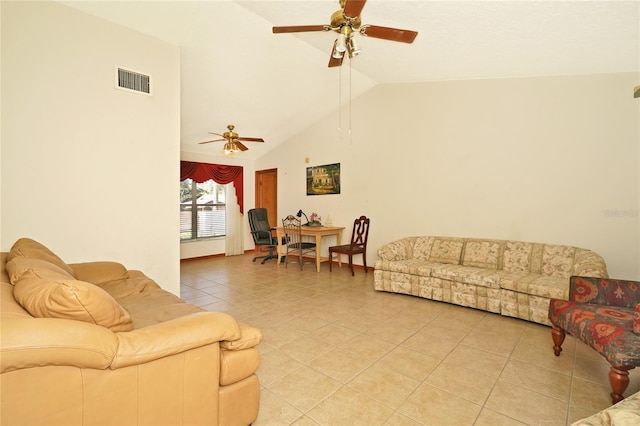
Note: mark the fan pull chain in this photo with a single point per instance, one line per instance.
(340, 100)
(350, 98)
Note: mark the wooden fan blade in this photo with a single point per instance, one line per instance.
(240, 145)
(335, 62)
(217, 134)
(250, 139)
(217, 140)
(300, 29)
(393, 34)
(353, 8)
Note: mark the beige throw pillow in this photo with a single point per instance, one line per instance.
(21, 268)
(31, 249)
(71, 299)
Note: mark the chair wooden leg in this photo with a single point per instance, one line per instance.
(619, 379)
(557, 334)
(364, 260)
(330, 258)
(351, 265)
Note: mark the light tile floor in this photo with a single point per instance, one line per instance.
(337, 352)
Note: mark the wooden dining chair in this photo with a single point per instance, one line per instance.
(358, 244)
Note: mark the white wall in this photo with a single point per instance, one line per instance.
(92, 171)
(216, 246)
(89, 170)
(553, 160)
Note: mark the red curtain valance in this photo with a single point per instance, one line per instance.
(221, 174)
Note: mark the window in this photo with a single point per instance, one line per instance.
(202, 210)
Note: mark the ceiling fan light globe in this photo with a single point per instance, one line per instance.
(341, 43)
(354, 49)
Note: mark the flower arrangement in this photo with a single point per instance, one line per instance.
(315, 220)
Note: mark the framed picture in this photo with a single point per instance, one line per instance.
(323, 180)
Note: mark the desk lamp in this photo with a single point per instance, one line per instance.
(300, 213)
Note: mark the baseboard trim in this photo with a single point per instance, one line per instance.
(210, 256)
(213, 256)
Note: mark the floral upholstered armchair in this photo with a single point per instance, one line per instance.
(605, 314)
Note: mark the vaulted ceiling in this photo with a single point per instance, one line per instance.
(234, 70)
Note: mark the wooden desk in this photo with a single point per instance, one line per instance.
(313, 231)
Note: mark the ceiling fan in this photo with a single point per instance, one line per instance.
(347, 23)
(232, 139)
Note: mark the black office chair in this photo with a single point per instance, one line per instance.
(261, 233)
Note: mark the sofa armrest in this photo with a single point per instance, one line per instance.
(37, 342)
(588, 263)
(173, 337)
(239, 358)
(99, 272)
(604, 291)
(250, 338)
(396, 250)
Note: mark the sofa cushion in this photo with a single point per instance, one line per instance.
(411, 266)
(30, 249)
(446, 250)
(557, 261)
(536, 285)
(467, 275)
(120, 289)
(154, 305)
(71, 299)
(483, 253)
(422, 248)
(99, 272)
(517, 256)
(22, 267)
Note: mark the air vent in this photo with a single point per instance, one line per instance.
(133, 81)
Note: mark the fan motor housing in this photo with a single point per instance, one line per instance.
(230, 135)
(338, 20)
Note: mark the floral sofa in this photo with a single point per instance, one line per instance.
(512, 278)
(624, 413)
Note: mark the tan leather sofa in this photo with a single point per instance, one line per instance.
(95, 343)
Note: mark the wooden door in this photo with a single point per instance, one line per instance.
(267, 194)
